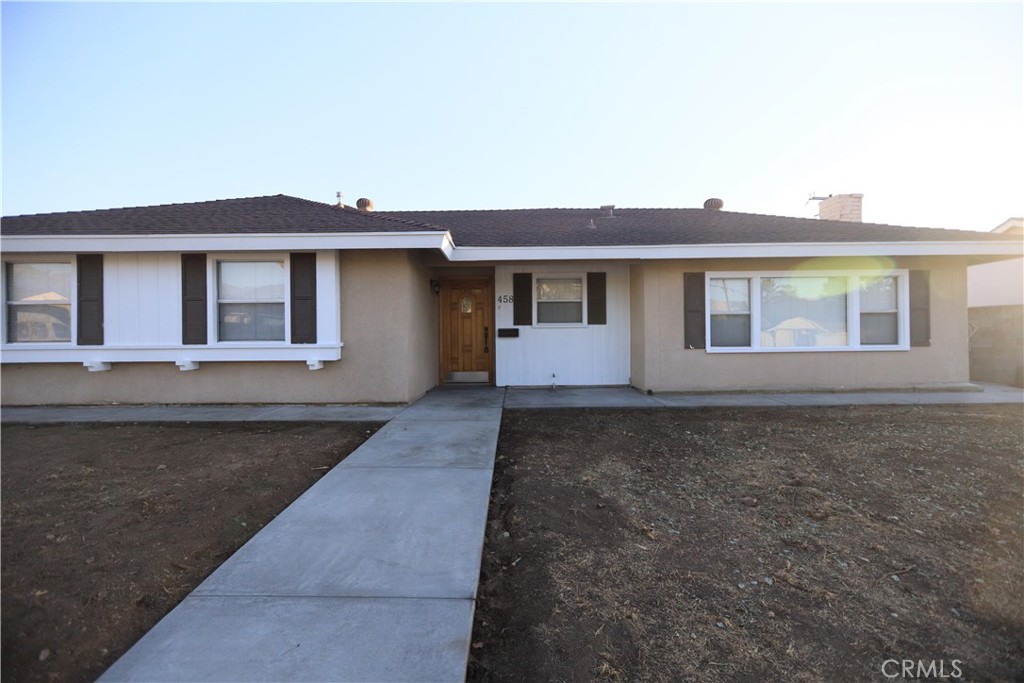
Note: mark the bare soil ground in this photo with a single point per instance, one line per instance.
(107, 527)
(754, 545)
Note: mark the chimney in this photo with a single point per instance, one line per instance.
(341, 200)
(608, 209)
(841, 207)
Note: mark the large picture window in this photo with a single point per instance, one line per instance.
(808, 311)
(803, 311)
(250, 300)
(560, 300)
(39, 302)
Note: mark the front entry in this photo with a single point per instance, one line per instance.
(467, 330)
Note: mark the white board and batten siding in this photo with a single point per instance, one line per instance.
(563, 355)
(142, 299)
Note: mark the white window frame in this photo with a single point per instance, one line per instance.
(47, 258)
(887, 311)
(582, 277)
(214, 302)
(853, 280)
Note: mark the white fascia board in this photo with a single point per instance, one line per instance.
(258, 242)
(448, 248)
(718, 251)
(443, 241)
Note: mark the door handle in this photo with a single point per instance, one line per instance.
(487, 333)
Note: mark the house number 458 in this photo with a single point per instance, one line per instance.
(505, 299)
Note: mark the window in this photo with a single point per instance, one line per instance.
(39, 302)
(250, 300)
(879, 312)
(560, 300)
(803, 311)
(730, 311)
(808, 311)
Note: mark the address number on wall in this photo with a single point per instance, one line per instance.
(505, 299)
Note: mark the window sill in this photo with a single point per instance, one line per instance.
(809, 349)
(311, 354)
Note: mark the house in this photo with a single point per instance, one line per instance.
(995, 310)
(280, 299)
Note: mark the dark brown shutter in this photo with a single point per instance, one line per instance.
(920, 309)
(597, 299)
(193, 299)
(693, 310)
(90, 299)
(522, 298)
(303, 267)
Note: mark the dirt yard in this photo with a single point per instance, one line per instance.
(107, 527)
(754, 545)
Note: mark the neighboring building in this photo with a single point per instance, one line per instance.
(239, 300)
(995, 300)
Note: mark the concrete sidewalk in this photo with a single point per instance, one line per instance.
(201, 413)
(370, 575)
(625, 397)
(567, 397)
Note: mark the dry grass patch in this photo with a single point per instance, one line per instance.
(753, 544)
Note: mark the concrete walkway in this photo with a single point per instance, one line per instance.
(370, 575)
(202, 413)
(569, 397)
(622, 397)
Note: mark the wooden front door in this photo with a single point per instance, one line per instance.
(467, 330)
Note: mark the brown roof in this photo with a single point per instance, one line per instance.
(254, 215)
(590, 227)
(484, 228)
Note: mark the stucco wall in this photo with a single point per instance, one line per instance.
(669, 366)
(388, 326)
(997, 344)
(996, 284)
(422, 338)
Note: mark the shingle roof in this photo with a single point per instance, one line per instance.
(482, 228)
(590, 227)
(253, 215)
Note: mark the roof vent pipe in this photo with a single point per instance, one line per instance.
(341, 200)
(364, 204)
(715, 204)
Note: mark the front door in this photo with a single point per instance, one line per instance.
(467, 330)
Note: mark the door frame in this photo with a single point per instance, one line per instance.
(447, 282)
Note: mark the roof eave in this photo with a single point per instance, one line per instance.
(435, 239)
(421, 239)
(721, 251)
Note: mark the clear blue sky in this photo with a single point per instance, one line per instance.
(447, 106)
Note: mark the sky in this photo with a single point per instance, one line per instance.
(920, 107)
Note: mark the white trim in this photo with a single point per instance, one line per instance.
(227, 242)
(222, 352)
(714, 251)
(444, 242)
(853, 312)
